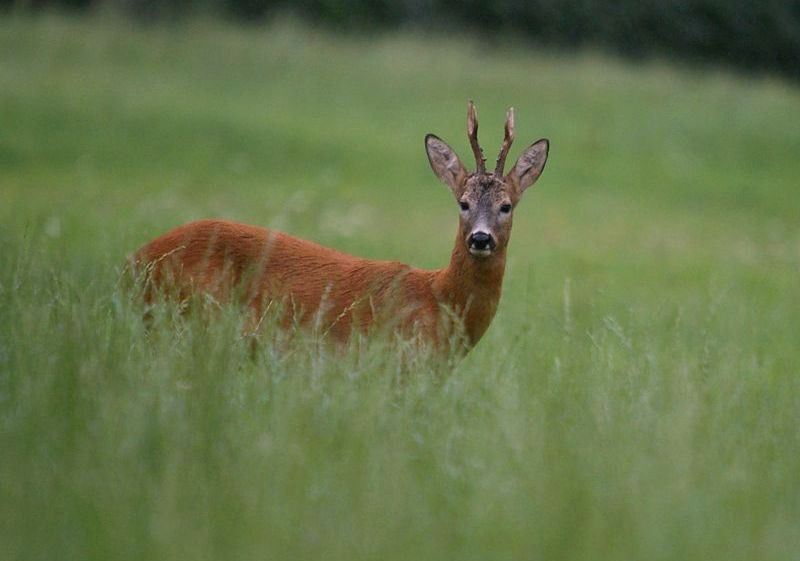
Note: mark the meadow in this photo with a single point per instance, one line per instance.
(637, 396)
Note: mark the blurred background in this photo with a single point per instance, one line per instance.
(746, 34)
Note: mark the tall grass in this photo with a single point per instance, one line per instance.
(637, 396)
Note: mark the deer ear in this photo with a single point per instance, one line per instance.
(444, 163)
(530, 164)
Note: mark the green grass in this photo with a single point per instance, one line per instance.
(637, 396)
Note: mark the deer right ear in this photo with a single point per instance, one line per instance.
(444, 163)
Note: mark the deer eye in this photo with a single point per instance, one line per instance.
(505, 208)
(464, 205)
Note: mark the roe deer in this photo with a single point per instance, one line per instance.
(338, 293)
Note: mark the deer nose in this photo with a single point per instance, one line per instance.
(481, 241)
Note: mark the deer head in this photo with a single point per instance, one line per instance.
(486, 199)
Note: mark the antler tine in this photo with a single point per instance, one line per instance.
(472, 133)
(507, 140)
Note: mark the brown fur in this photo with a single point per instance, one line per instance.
(322, 286)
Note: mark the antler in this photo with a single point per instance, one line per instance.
(472, 133)
(507, 140)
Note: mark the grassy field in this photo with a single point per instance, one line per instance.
(637, 397)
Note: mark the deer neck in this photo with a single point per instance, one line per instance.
(470, 287)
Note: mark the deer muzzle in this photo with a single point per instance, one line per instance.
(481, 244)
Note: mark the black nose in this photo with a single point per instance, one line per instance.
(481, 241)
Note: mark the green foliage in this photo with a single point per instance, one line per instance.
(749, 34)
(637, 396)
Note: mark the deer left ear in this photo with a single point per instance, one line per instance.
(529, 166)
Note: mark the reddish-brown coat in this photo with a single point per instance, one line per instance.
(323, 288)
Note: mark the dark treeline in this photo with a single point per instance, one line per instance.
(752, 34)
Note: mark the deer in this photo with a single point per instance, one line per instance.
(337, 294)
